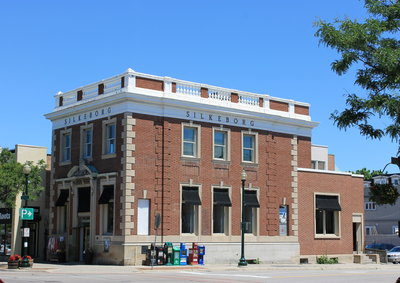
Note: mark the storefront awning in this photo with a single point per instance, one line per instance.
(327, 203)
(250, 199)
(222, 198)
(191, 197)
(62, 198)
(106, 195)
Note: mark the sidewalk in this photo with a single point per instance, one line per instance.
(87, 269)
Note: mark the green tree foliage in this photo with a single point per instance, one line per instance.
(368, 174)
(12, 179)
(373, 47)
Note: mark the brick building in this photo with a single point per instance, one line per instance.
(135, 145)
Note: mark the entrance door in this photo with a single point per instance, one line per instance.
(143, 216)
(84, 237)
(357, 233)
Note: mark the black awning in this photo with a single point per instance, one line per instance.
(62, 198)
(250, 199)
(191, 196)
(221, 197)
(106, 195)
(327, 203)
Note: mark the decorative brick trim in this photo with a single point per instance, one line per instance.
(278, 105)
(149, 84)
(295, 211)
(234, 97)
(302, 110)
(127, 174)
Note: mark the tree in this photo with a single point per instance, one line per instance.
(12, 179)
(373, 47)
(368, 174)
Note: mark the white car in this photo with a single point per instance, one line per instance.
(394, 255)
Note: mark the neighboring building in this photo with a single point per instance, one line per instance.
(10, 223)
(381, 221)
(135, 145)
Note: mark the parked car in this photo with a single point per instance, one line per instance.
(8, 249)
(394, 255)
(377, 246)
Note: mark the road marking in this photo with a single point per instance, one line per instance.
(222, 274)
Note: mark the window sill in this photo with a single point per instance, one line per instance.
(63, 163)
(326, 236)
(248, 164)
(108, 156)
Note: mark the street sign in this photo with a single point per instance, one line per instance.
(25, 197)
(26, 213)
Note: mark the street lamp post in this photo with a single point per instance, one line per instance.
(242, 261)
(26, 170)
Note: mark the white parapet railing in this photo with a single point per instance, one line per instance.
(249, 99)
(214, 94)
(188, 89)
(219, 95)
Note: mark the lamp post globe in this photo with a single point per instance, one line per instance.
(242, 261)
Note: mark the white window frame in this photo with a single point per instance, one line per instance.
(84, 130)
(255, 149)
(337, 219)
(197, 211)
(227, 212)
(105, 143)
(63, 146)
(196, 143)
(381, 181)
(226, 146)
(315, 164)
(370, 205)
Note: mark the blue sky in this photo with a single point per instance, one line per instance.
(257, 46)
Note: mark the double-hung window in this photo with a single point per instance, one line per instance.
(251, 206)
(370, 205)
(249, 147)
(190, 210)
(190, 141)
(220, 145)
(66, 146)
(327, 210)
(87, 143)
(109, 138)
(221, 205)
(106, 202)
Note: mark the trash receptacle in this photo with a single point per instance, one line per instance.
(175, 255)
(168, 253)
(202, 252)
(183, 254)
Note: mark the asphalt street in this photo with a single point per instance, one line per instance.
(47, 273)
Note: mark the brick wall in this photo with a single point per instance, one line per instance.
(351, 192)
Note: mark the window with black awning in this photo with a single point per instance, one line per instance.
(62, 198)
(221, 197)
(330, 203)
(250, 199)
(190, 196)
(106, 195)
(84, 199)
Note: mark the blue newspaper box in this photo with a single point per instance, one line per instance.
(202, 252)
(183, 254)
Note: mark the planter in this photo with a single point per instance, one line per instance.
(26, 262)
(13, 264)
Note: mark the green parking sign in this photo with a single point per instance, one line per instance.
(26, 213)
